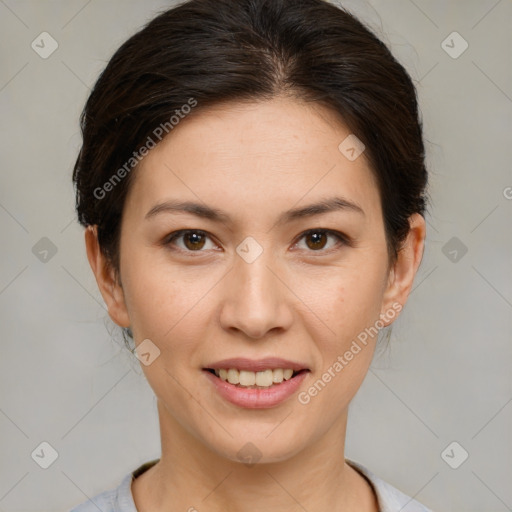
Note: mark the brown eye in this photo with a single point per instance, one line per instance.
(193, 240)
(317, 239)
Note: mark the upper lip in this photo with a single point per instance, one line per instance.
(253, 365)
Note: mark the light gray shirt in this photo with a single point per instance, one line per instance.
(120, 499)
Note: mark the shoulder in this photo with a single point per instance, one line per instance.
(119, 499)
(390, 499)
(114, 500)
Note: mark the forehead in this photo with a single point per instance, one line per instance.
(253, 155)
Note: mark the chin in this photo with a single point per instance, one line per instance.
(250, 450)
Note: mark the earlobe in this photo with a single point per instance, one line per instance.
(401, 276)
(109, 287)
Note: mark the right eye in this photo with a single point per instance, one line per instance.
(193, 240)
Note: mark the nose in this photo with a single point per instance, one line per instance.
(256, 298)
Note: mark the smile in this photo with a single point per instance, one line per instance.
(262, 389)
(254, 380)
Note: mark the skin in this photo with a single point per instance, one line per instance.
(297, 300)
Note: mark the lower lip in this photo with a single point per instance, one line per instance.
(257, 398)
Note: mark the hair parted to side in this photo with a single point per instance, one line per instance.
(215, 51)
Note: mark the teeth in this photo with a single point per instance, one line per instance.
(264, 379)
(247, 378)
(232, 376)
(277, 375)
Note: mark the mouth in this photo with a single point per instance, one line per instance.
(256, 384)
(264, 379)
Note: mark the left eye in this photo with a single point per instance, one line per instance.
(195, 240)
(319, 237)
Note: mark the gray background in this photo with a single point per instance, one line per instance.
(446, 376)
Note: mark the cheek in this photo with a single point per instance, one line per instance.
(347, 300)
(351, 306)
(152, 300)
(160, 297)
(171, 313)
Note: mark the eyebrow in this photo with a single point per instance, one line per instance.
(214, 214)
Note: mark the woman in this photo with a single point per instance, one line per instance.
(252, 184)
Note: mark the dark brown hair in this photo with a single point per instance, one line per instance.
(212, 51)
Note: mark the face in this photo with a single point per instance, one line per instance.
(268, 278)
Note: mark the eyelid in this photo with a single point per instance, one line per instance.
(342, 238)
(167, 241)
(337, 234)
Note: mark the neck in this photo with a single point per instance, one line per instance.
(190, 476)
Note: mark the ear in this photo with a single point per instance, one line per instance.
(401, 275)
(111, 290)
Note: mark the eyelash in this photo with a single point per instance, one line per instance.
(342, 239)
